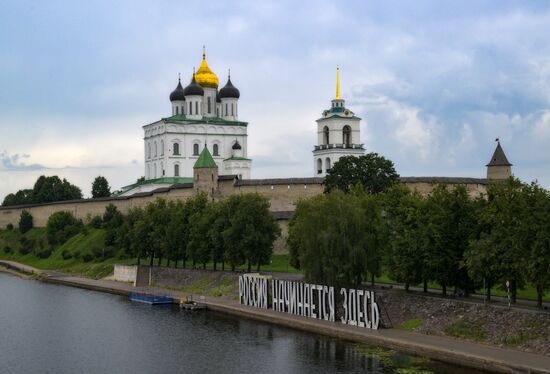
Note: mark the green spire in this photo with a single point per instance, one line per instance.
(205, 160)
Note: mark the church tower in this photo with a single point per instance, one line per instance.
(338, 134)
(499, 167)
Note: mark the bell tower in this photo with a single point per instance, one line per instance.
(338, 134)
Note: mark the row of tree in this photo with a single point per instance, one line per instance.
(50, 189)
(235, 231)
(447, 237)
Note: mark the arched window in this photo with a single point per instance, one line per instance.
(176, 149)
(319, 166)
(325, 135)
(327, 164)
(232, 109)
(162, 147)
(154, 170)
(195, 149)
(149, 150)
(156, 154)
(148, 172)
(215, 150)
(162, 169)
(217, 112)
(226, 109)
(209, 105)
(196, 107)
(176, 170)
(347, 135)
(177, 110)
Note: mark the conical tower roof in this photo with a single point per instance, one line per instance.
(499, 158)
(205, 160)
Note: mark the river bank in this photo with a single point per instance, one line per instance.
(440, 348)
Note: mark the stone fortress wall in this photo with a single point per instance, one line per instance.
(282, 193)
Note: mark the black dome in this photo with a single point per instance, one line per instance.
(177, 94)
(193, 88)
(236, 145)
(218, 100)
(229, 90)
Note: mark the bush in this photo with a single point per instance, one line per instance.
(96, 222)
(66, 255)
(43, 253)
(84, 230)
(61, 226)
(87, 257)
(7, 249)
(76, 254)
(25, 222)
(26, 245)
(104, 252)
(9, 227)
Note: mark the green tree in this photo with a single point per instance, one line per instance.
(100, 187)
(61, 226)
(374, 172)
(133, 235)
(337, 238)
(405, 257)
(500, 249)
(198, 246)
(112, 221)
(538, 225)
(49, 189)
(21, 197)
(25, 222)
(251, 231)
(449, 224)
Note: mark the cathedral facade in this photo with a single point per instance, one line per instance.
(201, 116)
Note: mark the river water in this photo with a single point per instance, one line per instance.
(55, 329)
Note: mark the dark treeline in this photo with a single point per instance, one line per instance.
(45, 190)
(232, 232)
(447, 237)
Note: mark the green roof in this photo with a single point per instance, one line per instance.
(205, 160)
(337, 116)
(214, 120)
(237, 159)
(165, 180)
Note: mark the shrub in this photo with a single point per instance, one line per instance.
(87, 257)
(7, 249)
(43, 253)
(76, 254)
(66, 255)
(26, 245)
(84, 230)
(96, 222)
(104, 252)
(25, 222)
(61, 226)
(9, 226)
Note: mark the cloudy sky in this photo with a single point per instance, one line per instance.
(434, 81)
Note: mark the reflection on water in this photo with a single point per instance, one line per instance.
(54, 329)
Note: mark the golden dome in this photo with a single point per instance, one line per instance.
(204, 76)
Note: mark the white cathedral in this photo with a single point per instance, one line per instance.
(205, 117)
(202, 116)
